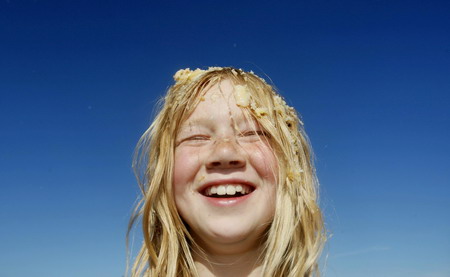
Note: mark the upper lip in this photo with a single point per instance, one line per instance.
(232, 181)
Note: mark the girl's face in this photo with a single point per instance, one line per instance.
(224, 174)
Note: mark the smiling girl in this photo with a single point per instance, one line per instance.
(229, 188)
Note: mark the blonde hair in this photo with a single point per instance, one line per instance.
(295, 237)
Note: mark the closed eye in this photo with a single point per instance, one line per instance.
(259, 133)
(194, 139)
(198, 137)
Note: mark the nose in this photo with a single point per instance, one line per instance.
(225, 155)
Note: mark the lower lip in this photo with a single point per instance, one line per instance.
(227, 202)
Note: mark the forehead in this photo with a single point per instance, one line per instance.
(218, 103)
(221, 91)
(218, 98)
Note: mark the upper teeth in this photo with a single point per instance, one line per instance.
(227, 189)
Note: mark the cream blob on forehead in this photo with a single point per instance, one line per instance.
(242, 96)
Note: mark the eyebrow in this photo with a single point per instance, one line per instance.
(197, 121)
(240, 124)
(192, 124)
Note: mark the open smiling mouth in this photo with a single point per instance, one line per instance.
(227, 191)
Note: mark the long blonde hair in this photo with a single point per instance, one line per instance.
(296, 235)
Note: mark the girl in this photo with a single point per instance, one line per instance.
(229, 188)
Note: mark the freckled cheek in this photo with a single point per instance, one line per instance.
(186, 166)
(264, 161)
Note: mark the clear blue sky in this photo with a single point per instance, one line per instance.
(78, 81)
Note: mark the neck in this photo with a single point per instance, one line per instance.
(244, 264)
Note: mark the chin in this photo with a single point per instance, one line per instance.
(232, 233)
